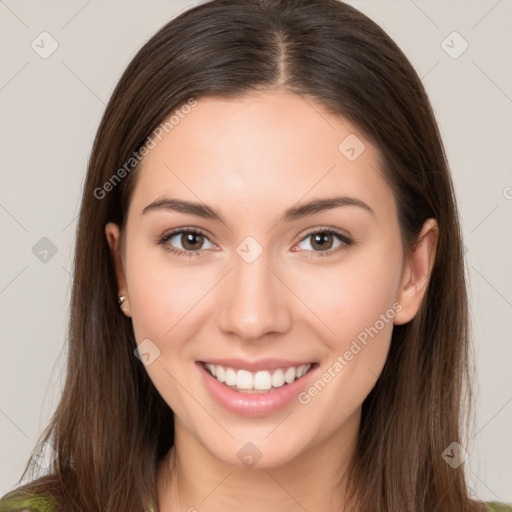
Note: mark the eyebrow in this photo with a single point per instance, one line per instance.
(291, 214)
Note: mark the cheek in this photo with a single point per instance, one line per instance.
(164, 296)
(351, 296)
(356, 303)
(170, 305)
(167, 306)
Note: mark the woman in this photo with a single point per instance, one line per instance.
(269, 308)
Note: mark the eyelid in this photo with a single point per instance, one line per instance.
(324, 229)
(176, 231)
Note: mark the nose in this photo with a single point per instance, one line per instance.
(254, 302)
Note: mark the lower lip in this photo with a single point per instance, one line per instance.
(254, 404)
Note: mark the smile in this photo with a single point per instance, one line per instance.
(259, 381)
(255, 389)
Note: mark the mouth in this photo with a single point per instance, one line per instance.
(260, 381)
(255, 389)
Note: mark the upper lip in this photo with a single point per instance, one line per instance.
(263, 364)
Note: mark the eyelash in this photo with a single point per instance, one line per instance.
(346, 241)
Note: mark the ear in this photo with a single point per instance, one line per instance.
(112, 233)
(416, 273)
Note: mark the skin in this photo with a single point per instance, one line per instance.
(251, 159)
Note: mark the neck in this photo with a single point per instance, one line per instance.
(190, 478)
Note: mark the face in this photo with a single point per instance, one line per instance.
(254, 285)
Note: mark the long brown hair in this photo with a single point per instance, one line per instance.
(111, 427)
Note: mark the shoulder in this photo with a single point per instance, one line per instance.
(25, 502)
(492, 506)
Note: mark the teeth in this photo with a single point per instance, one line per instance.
(244, 380)
(230, 375)
(289, 375)
(278, 378)
(263, 380)
(219, 373)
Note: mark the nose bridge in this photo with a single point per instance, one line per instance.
(255, 301)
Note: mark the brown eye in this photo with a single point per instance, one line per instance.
(191, 240)
(187, 242)
(325, 242)
(322, 241)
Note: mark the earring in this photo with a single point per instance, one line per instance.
(123, 306)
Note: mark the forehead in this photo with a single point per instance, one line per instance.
(259, 151)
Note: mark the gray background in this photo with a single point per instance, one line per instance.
(50, 108)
